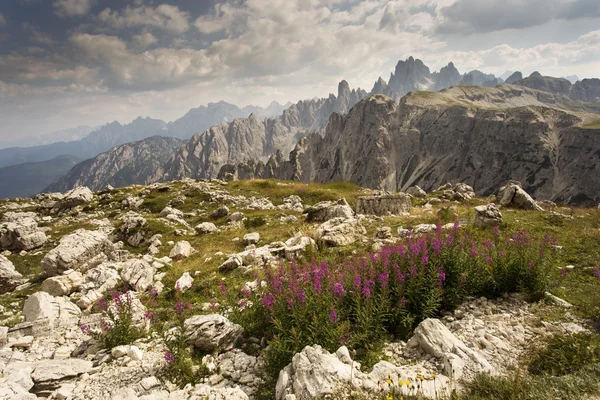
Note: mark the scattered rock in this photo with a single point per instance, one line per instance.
(513, 195)
(212, 332)
(182, 249)
(487, 216)
(138, 274)
(58, 310)
(206, 227)
(385, 204)
(340, 232)
(73, 198)
(78, 251)
(416, 191)
(251, 238)
(185, 282)
(19, 231)
(327, 210)
(220, 212)
(63, 285)
(9, 277)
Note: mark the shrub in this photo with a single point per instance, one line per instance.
(251, 223)
(116, 326)
(360, 302)
(179, 357)
(564, 355)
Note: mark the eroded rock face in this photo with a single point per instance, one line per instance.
(487, 216)
(394, 204)
(73, 198)
(340, 232)
(139, 274)
(513, 195)
(78, 251)
(212, 332)
(437, 340)
(19, 231)
(327, 210)
(58, 310)
(9, 277)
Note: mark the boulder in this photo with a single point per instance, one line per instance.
(384, 204)
(58, 310)
(462, 191)
(73, 198)
(340, 232)
(327, 210)
(182, 249)
(487, 216)
(185, 282)
(138, 274)
(212, 332)
(56, 370)
(63, 285)
(383, 232)
(292, 203)
(206, 227)
(19, 231)
(236, 216)
(251, 238)
(231, 263)
(297, 246)
(220, 212)
(435, 339)
(315, 373)
(98, 281)
(168, 210)
(416, 191)
(78, 251)
(132, 229)
(9, 277)
(513, 195)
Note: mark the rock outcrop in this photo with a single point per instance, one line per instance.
(80, 251)
(513, 195)
(384, 204)
(9, 277)
(212, 332)
(487, 216)
(19, 231)
(326, 210)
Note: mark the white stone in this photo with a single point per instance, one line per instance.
(185, 282)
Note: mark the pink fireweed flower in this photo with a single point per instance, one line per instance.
(564, 272)
(333, 316)
(223, 288)
(102, 304)
(496, 231)
(338, 290)
(531, 264)
(442, 277)
(301, 296)
(596, 273)
(169, 357)
(149, 315)
(268, 301)
(424, 260)
(85, 329)
(383, 279)
(179, 307)
(402, 302)
(356, 282)
(117, 299)
(437, 246)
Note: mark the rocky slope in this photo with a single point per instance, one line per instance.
(137, 162)
(481, 136)
(255, 139)
(29, 179)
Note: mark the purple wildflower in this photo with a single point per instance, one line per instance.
(333, 316)
(179, 307)
(596, 273)
(268, 301)
(149, 315)
(102, 305)
(169, 357)
(223, 288)
(85, 329)
(442, 277)
(338, 290)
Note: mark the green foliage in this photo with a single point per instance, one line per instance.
(361, 301)
(117, 325)
(564, 355)
(531, 387)
(182, 364)
(254, 222)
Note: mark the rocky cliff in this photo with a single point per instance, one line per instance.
(480, 136)
(139, 162)
(255, 139)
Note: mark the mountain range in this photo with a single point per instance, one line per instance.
(316, 134)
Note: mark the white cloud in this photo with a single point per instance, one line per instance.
(72, 8)
(27, 68)
(155, 68)
(144, 40)
(164, 16)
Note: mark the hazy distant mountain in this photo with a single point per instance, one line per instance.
(546, 83)
(505, 75)
(138, 162)
(100, 140)
(572, 78)
(29, 179)
(514, 77)
(65, 135)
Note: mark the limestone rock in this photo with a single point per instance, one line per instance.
(437, 340)
(513, 195)
(19, 231)
(340, 232)
(487, 216)
(185, 282)
(212, 332)
(327, 210)
(251, 238)
(138, 274)
(231, 264)
(395, 204)
(220, 212)
(55, 370)
(416, 191)
(63, 285)
(58, 310)
(73, 198)
(182, 249)
(78, 251)
(9, 277)
(206, 227)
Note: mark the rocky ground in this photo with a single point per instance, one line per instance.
(62, 253)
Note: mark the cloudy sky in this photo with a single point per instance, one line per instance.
(65, 63)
